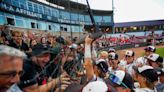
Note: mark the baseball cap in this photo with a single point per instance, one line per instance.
(102, 65)
(155, 58)
(150, 48)
(148, 72)
(111, 50)
(11, 51)
(95, 86)
(129, 53)
(121, 78)
(141, 60)
(40, 49)
(113, 56)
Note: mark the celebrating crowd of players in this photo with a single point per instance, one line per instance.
(68, 67)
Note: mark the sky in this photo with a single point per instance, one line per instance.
(131, 10)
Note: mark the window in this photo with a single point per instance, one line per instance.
(46, 10)
(160, 26)
(30, 6)
(2, 21)
(156, 27)
(140, 28)
(56, 27)
(81, 18)
(9, 15)
(1, 13)
(10, 21)
(87, 18)
(116, 29)
(37, 26)
(15, 3)
(49, 27)
(22, 4)
(98, 18)
(35, 7)
(50, 11)
(107, 19)
(42, 25)
(32, 25)
(40, 9)
(75, 29)
(80, 29)
(124, 28)
(65, 15)
(144, 28)
(19, 23)
(18, 17)
(121, 29)
(74, 16)
(55, 13)
(61, 28)
(8, 1)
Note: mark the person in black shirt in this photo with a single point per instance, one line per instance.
(33, 42)
(35, 75)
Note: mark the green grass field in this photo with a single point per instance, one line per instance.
(160, 51)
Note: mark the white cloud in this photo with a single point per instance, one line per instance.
(131, 10)
(138, 10)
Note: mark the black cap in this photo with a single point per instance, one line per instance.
(121, 78)
(40, 49)
(102, 65)
(128, 80)
(155, 58)
(150, 48)
(113, 56)
(148, 72)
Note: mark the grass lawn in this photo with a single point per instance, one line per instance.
(160, 51)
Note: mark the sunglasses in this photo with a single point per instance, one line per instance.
(116, 80)
(11, 74)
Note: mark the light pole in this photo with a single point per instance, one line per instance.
(113, 16)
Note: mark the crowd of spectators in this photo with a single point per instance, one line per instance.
(41, 62)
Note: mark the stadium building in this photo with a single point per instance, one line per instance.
(140, 27)
(147, 32)
(52, 16)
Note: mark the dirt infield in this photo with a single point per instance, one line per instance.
(138, 51)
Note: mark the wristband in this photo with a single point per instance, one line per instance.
(87, 53)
